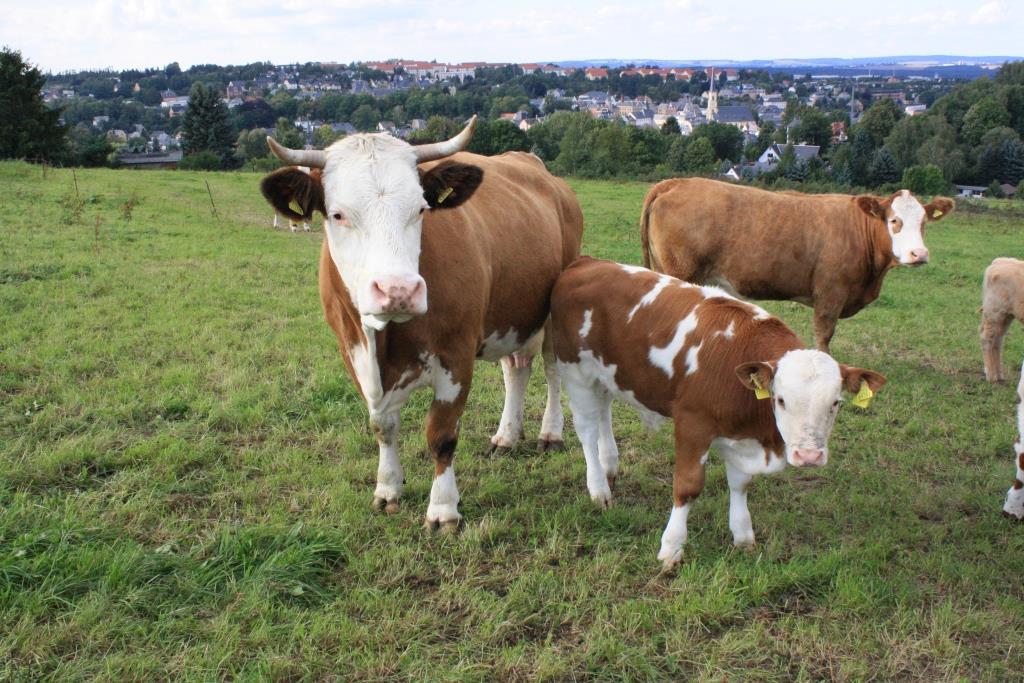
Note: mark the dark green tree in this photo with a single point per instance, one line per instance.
(206, 125)
(927, 180)
(28, 129)
(983, 116)
(1011, 162)
(671, 127)
(700, 156)
(883, 168)
(879, 120)
(726, 140)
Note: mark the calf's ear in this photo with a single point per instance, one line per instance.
(756, 375)
(854, 377)
(290, 186)
(939, 207)
(450, 183)
(872, 206)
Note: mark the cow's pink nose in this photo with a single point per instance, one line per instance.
(919, 255)
(808, 456)
(398, 294)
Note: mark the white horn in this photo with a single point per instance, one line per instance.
(440, 150)
(314, 158)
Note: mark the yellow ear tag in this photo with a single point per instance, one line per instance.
(294, 206)
(936, 213)
(863, 397)
(444, 195)
(759, 391)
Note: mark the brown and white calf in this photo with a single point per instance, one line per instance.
(482, 239)
(830, 252)
(1002, 300)
(1014, 505)
(694, 355)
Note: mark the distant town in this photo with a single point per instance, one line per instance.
(825, 125)
(743, 98)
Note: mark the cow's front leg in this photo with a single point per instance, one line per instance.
(739, 514)
(442, 437)
(825, 318)
(692, 441)
(554, 421)
(390, 476)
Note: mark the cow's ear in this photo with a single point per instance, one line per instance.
(294, 193)
(854, 377)
(939, 207)
(871, 205)
(450, 183)
(756, 376)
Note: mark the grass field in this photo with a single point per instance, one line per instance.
(186, 476)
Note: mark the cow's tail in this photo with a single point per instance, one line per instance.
(645, 221)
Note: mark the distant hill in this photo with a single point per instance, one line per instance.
(949, 66)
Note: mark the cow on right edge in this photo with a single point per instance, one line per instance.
(830, 252)
(1014, 505)
(1002, 300)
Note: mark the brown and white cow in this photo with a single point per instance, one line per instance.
(431, 260)
(1014, 505)
(1002, 300)
(830, 252)
(694, 355)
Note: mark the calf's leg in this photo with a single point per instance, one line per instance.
(516, 372)
(739, 514)
(589, 401)
(692, 443)
(992, 331)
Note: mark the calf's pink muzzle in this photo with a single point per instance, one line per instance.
(804, 457)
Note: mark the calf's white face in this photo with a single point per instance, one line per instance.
(805, 390)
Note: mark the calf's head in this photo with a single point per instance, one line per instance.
(905, 218)
(373, 198)
(804, 387)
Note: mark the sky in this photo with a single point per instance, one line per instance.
(61, 35)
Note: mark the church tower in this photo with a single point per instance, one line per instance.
(712, 113)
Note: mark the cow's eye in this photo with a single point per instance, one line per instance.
(782, 404)
(835, 404)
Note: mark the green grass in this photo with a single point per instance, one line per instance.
(186, 476)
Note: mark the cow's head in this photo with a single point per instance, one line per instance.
(804, 387)
(904, 218)
(373, 199)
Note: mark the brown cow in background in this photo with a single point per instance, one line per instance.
(1002, 300)
(830, 252)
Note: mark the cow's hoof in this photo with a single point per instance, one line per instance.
(550, 445)
(496, 450)
(448, 527)
(612, 478)
(670, 560)
(381, 504)
(746, 545)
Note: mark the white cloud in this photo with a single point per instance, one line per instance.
(990, 13)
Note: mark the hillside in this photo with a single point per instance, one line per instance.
(186, 476)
